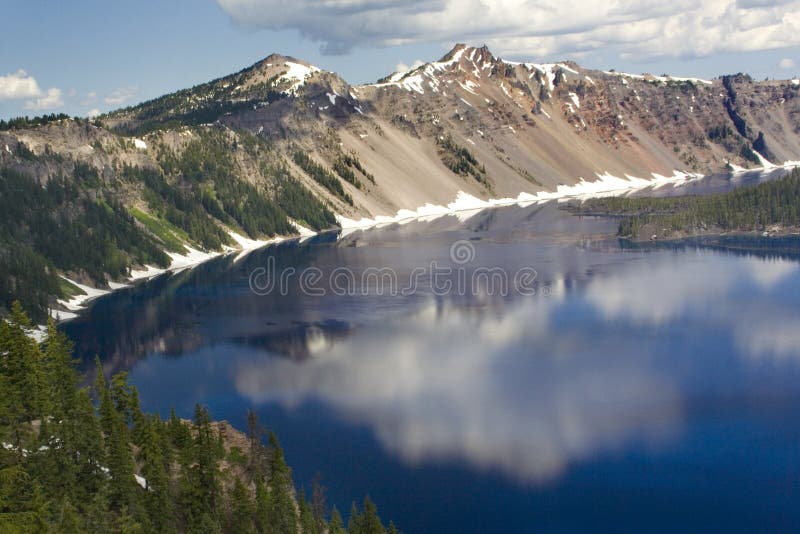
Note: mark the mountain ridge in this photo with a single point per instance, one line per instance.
(282, 142)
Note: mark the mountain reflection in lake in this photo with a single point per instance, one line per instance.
(635, 382)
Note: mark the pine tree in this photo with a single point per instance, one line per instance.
(241, 509)
(180, 436)
(307, 523)
(281, 514)
(106, 404)
(157, 500)
(126, 523)
(254, 432)
(372, 523)
(355, 525)
(59, 374)
(21, 372)
(263, 506)
(336, 524)
(199, 485)
(119, 453)
(318, 506)
(69, 522)
(367, 522)
(98, 514)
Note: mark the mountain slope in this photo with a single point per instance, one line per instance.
(283, 143)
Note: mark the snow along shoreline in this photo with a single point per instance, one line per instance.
(605, 185)
(179, 263)
(464, 206)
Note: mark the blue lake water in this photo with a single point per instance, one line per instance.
(623, 388)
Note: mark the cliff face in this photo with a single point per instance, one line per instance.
(251, 151)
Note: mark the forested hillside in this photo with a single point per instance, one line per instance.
(773, 205)
(76, 459)
(95, 221)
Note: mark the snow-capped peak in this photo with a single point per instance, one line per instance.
(297, 73)
(427, 77)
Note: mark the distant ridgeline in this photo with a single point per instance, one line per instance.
(68, 465)
(95, 222)
(283, 142)
(772, 206)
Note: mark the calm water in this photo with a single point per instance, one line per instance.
(637, 389)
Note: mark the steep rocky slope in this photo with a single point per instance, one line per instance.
(283, 145)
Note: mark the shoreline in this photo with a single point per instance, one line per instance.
(180, 262)
(761, 234)
(464, 206)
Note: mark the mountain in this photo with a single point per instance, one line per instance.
(282, 146)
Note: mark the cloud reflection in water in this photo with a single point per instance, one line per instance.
(492, 387)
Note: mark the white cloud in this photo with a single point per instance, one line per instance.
(18, 85)
(786, 63)
(630, 28)
(21, 85)
(50, 99)
(92, 113)
(402, 67)
(121, 96)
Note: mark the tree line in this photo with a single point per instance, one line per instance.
(754, 208)
(79, 459)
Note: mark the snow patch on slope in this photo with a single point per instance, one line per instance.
(297, 74)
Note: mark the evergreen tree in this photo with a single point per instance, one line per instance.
(200, 487)
(367, 522)
(98, 515)
(336, 524)
(106, 404)
(59, 374)
(69, 522)
(241, 509)
(281, 513)
(120, 459)
(254, 434)
(355, 524)
(158, 500)
(262, 507)
(307, 523)
(180, 436)
(20, 369)
(318, 506)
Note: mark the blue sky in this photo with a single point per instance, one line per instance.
(88, 55)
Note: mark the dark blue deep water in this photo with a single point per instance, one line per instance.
(625, 389)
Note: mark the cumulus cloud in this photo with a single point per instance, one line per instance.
(637, 29)
(21, 85)
(786, 63)
(18, 85)
(49, 99)
(94, 112)
(121, 96)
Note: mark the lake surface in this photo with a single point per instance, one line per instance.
(598, 386)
